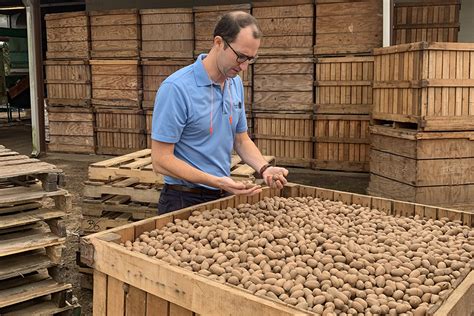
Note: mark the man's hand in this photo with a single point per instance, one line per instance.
(275, 177)
(238, 188)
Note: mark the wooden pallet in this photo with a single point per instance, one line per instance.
(20, 168)
(138, 165)
(14, 193)
(131, 187)
(117, 203)
(17, 293)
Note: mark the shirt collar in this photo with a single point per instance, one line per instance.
(200, 73)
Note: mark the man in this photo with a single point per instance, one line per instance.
(199, 117)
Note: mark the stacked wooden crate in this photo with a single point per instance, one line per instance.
(32, 238)
(422, 148)
(431, 21)
(167, 45)
(283, 95)
(68, 83)
(345, 34)
(117, 81)
(205, 19)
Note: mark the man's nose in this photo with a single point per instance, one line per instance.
(243, 66)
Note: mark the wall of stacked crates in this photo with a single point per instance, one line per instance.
(308, 97)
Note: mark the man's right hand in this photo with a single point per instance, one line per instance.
(238, 188)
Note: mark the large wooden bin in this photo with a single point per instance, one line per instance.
(347, 27)
(116, 83)
(68, 82)
(288, 137)
(132, 283)
(283, 84)
(422, 167)
(427, 85)
(167, 33)
(115, 34)
(287, 28)
(120, 131)
(341, 142)
(71, 129)
(344, 85)
(432, 21)
(67, 35)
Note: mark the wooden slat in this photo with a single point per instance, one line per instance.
(135, 302)
(30, 217)
(115, 296)
(24, 263)
(43, 309)
(30, 290)
(25, 194)
(99, 302)
(22, 242)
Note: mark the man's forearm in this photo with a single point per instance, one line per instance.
(250, 154)
(171, 166)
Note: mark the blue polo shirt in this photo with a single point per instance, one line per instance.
(184, 106)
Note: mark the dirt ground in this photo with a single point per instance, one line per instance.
(75, 166)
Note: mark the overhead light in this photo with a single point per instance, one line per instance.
(11, 8)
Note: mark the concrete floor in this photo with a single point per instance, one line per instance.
(75, 167)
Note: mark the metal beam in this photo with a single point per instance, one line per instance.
(33, 18)
(387, 22)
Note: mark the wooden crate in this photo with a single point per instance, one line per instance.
(71, 130)
(422, 167)
(67, 35)
(428, 85)
(347, 27)
(167, 33)
(283, 84)
(116, 83)
(341, 142)
(115, 34)
(288, 28)
(344, 85)
(184, 292)
(432, 21)
(288, 137)
(154, 73)
(68, 82)
(205, 19)
(119, 131)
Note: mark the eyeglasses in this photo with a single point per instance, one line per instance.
(242, 58)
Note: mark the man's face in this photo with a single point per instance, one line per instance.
(244, 44)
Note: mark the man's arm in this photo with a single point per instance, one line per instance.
(251, 155)
(165, 162)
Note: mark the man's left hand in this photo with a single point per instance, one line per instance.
(275, 177)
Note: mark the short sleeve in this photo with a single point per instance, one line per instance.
(169, 114)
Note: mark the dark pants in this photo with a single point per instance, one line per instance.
(172, 200)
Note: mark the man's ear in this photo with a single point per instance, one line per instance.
(218, 40)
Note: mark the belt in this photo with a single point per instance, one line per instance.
(183, 188)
